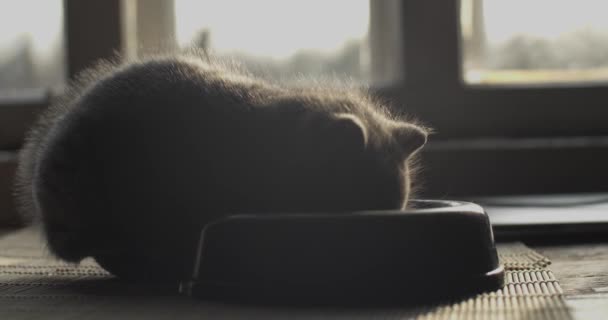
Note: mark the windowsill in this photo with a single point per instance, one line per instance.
(485, 167)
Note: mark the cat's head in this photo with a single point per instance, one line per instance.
(346, 153)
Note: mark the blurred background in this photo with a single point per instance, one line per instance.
(513, 42)
(516, 90)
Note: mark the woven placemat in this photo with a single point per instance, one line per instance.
(34, 285)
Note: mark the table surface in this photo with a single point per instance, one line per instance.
(581, 268)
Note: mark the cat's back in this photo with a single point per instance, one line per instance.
(144, 128)
(153, 104)
(165, 86)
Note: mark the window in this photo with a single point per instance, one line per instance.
(425, 57)
(31, 62)
(532, 42)
(281, 39)
(31, 44)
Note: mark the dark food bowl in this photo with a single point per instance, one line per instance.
(435, 251)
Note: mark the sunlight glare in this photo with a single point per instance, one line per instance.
(41, 21)
(275, 28)
(542, 18)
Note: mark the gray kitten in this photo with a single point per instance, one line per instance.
(139, 156)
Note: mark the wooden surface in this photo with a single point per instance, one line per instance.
(582, 269)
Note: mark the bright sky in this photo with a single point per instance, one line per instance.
(279, 27)
(544, 18)
(273, 27)
(42, 19)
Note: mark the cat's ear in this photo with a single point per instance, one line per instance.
(348, 130)
(410, 138)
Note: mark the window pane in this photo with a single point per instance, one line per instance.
(540, 41)
(281, 39)
(31, 44)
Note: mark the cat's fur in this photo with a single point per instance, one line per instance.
(139, 156)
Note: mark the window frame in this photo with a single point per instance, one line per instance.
(17, 112)
(454, 163)
(83, 21)
(434, 89)
(431, 74)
